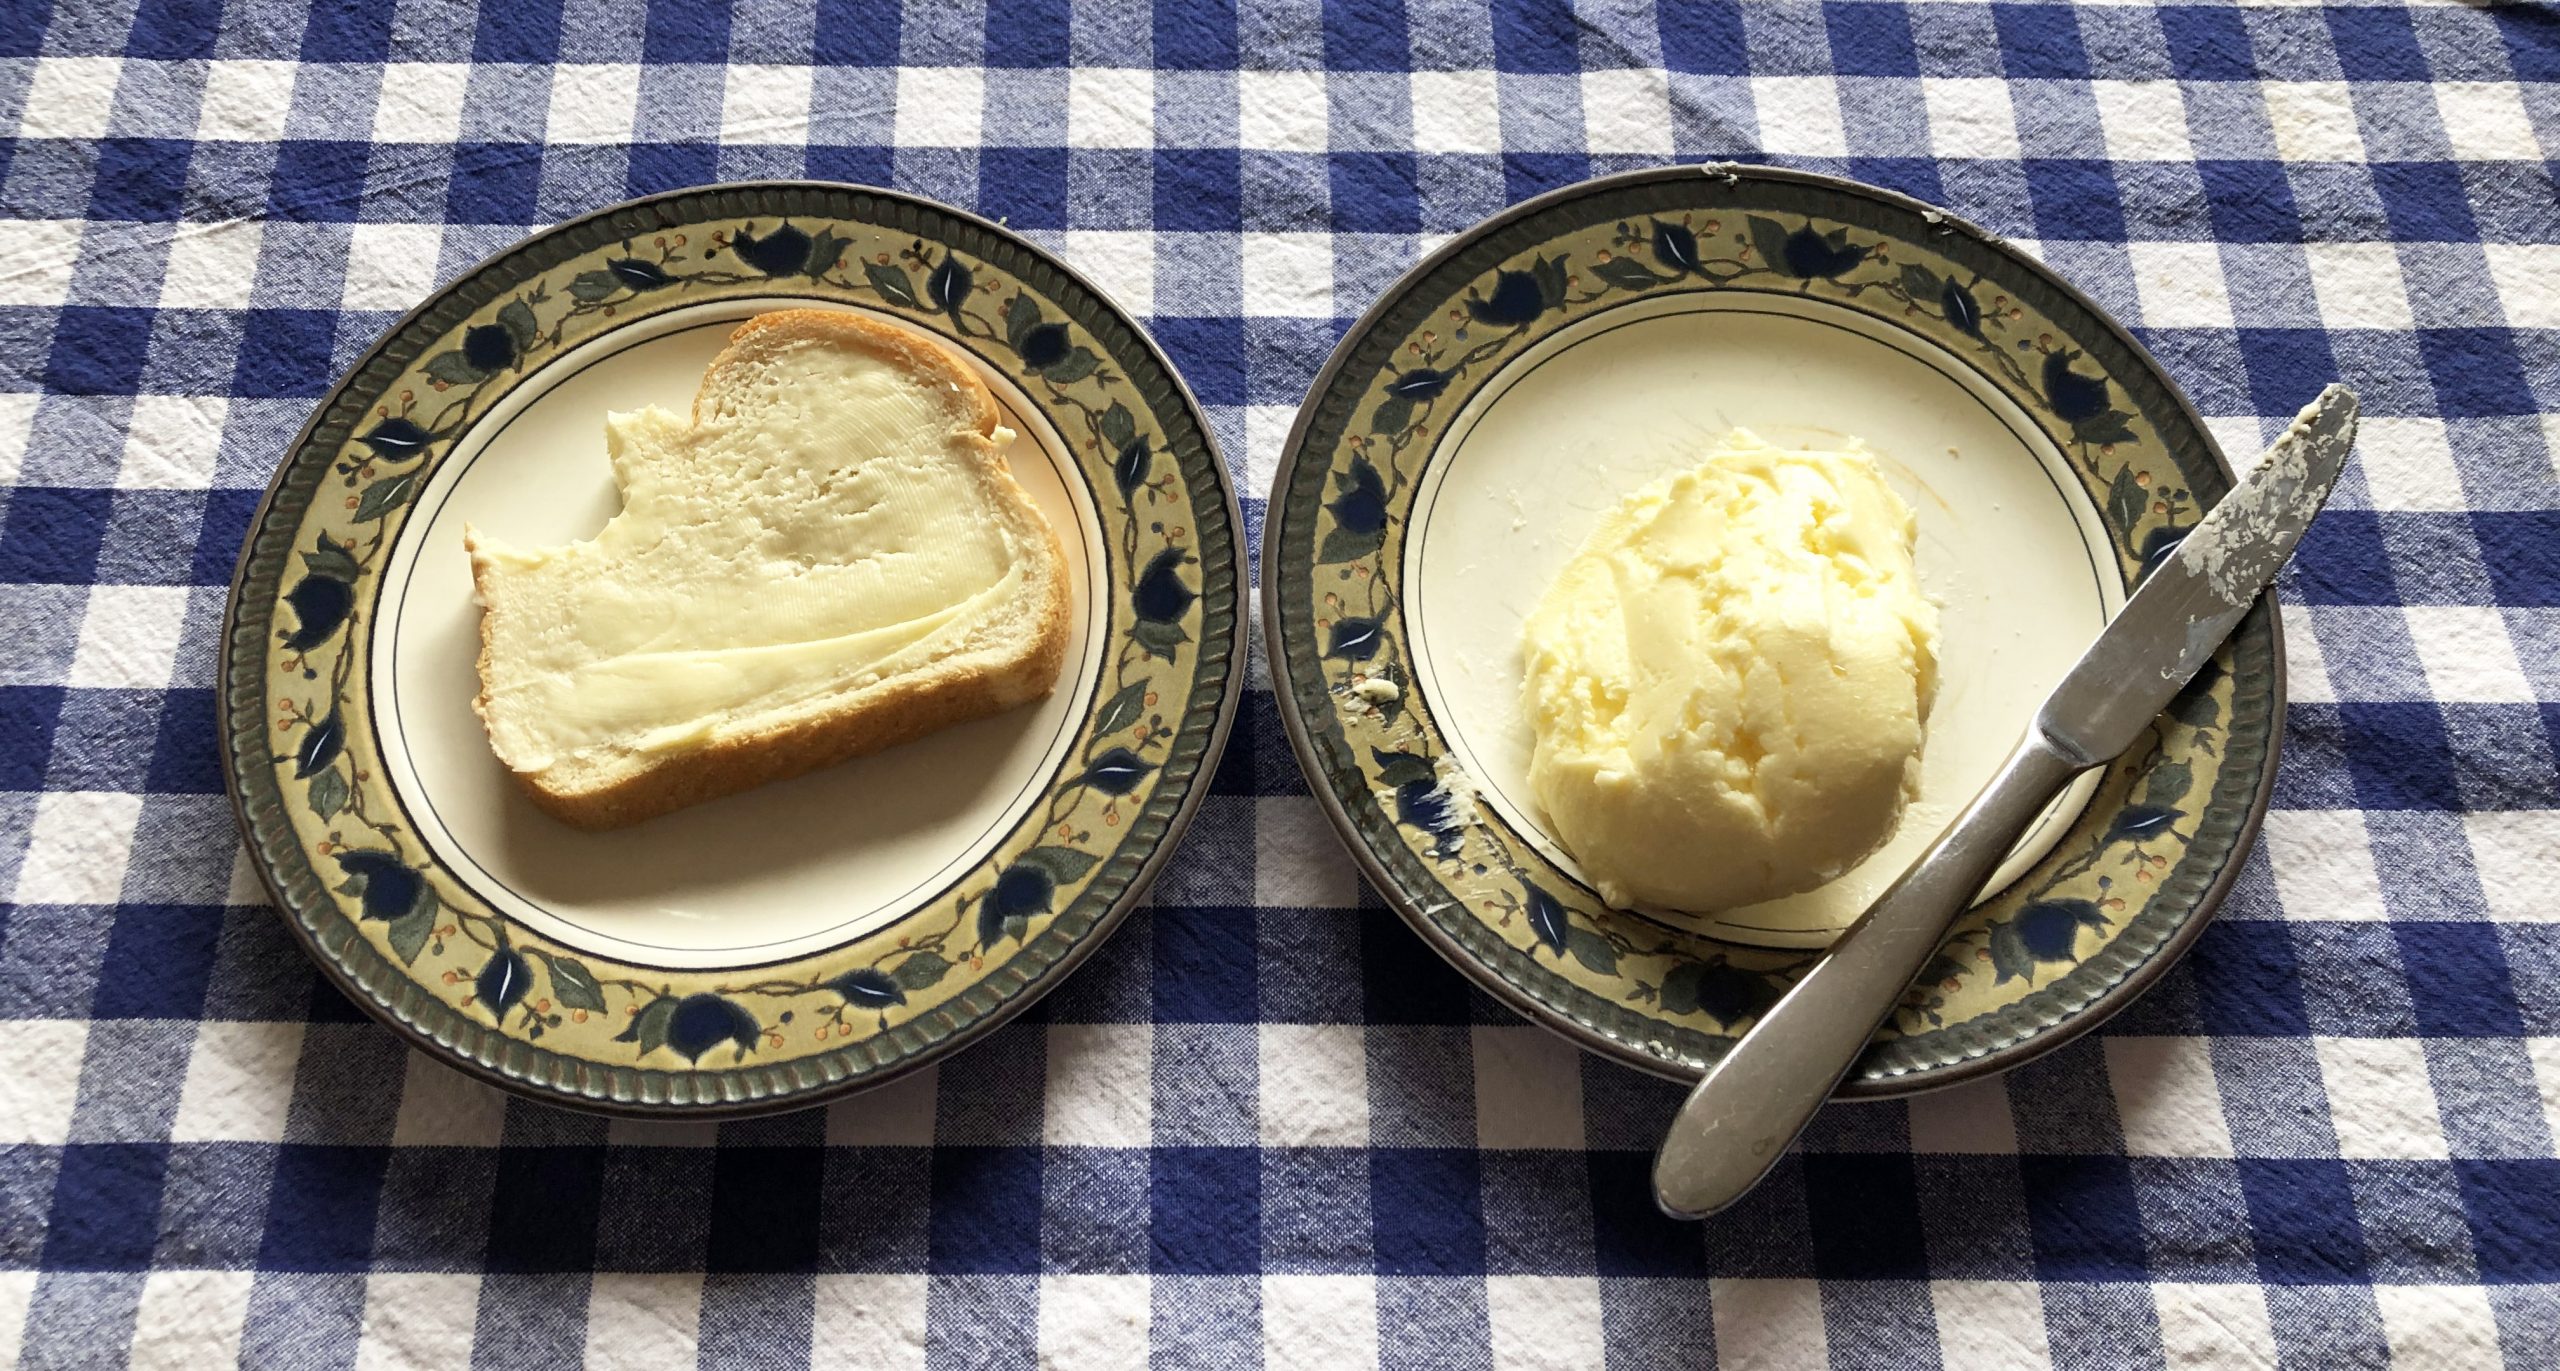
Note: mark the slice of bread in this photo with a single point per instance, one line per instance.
(828, 558)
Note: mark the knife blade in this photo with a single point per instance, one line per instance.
(1761, 1093)
(2183, 610)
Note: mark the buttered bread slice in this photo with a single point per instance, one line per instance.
(827, 558)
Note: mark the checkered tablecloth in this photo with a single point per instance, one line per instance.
(1265, 1126)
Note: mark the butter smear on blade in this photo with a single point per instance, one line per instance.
(1728, 681)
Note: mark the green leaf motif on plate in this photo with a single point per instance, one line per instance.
(409, 933)
(2168, 784)
(332, 560)
(824, 252)
(453, 369)
(1626, 273)
(1768, 240)
(517, 316)
(385, 496)
(1061, 865)
(1592, 950)
(588, 287)
(573, 985)
(648, 1028)
(1159, 639)
(2125, 500)
(1392, 415)
(1122, 709)
(1403, 768)
(328, 794)
(921, 971)
(893, 284)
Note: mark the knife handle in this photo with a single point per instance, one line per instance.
(1766, 1087)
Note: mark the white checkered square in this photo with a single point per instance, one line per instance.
(1970, 116)
(245, 100)
(17, 1291)
(2306, 672)
(766, 104)
(78, 850)
(2181, 285)
(1094, 1322)
(1281, 111)
(172, 443)
(1319, 1323)
(239, 1085)
(441, 1107)
(593, 102)
(1288, 275)
(129, 638)
(2408, 464)
(2358, 285)
(187, 1320)
(2439, 1327)
(70, 97)
(1800, 116)
(940, 107)
(1627, 110)
(1990, 1323)
(2486, 121)
(1528, 1088)
(2528, 279)
(2382, 1103)
(1121, 261)
(1100, 1085)
(417, 1318)
(1315, 1085)
(40, 1079)
(1457, 111)
(1111, 107)
(1266, 434)
(2468, 654)
(1768, 1323)
(899, 1114)
(391, 266)
(2167, 1097)
(2144, 121)
(2544, 1053)
(212, 266)
(2214, 1325)
(2323, 864)
(17, 420)
(2516, 853)
(1298, 861)
(644, 1318)
(1545, 1323)
(869, 1319)
(1972, 1118)
(37, 261)
(421, 102)
(2313, 121)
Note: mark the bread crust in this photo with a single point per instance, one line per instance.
(851, 723)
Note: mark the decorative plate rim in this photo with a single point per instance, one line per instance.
(1904, 1082)
(507, 1073)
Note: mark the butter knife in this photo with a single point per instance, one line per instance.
(1765, 1089)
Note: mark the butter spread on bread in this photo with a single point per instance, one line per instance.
(827, 558)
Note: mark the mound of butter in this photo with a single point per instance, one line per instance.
(1729, 680)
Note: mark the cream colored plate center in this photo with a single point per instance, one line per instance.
(2010, 546)
(777, 872)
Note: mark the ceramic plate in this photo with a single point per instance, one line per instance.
(769, 949)
(1471, 430)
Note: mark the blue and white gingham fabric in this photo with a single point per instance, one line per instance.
(1265, 1126)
